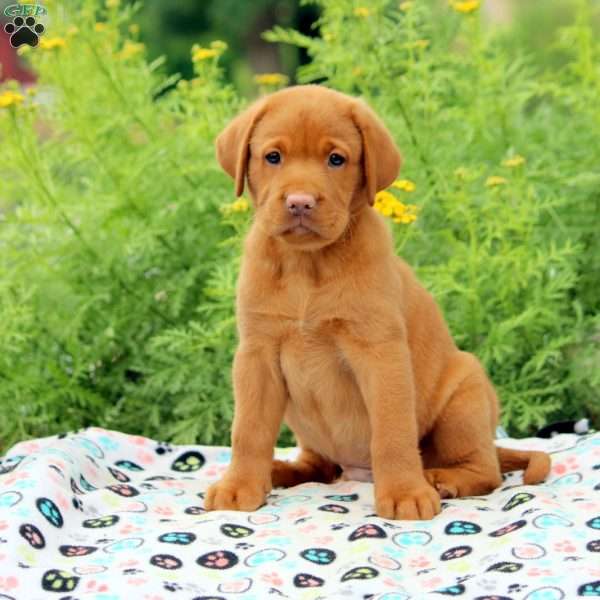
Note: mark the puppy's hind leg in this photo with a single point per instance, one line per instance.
(309, 466)
(461, 459)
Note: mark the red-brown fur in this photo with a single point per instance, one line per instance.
(337, 336)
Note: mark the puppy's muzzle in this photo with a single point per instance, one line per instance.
(300, 204)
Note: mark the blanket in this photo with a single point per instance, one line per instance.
(107, 516)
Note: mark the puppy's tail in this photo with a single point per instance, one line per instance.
(536, 464)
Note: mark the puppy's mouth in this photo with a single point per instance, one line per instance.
(299, 226)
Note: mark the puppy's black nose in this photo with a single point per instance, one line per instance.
(300, 204)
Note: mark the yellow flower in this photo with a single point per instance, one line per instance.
(406, 185)
(389, 206)
(405, 219)
(362, 11)
(406, 6)
(495, 180)
(239, 205)
(100, 26)
(399, 209)
(52, 43)
(271, 79)
(113, 3)
(10, 98)
(134, 29)
(514, 161)
(199, 53)
(219, 45)
(465, 6)
(131, 49)
(384, 198)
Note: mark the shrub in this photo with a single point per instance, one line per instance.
(111, 238)
(507, 186)
(118, 266)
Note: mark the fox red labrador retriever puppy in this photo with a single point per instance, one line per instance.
(337, 336)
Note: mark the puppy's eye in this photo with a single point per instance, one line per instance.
(336, 160)
(273, 157)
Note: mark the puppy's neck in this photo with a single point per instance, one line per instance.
(364, 242)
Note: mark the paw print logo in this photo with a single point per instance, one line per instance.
(194, 510)
(589, 589)
(319, 556)
(462, 528)
(236, 531)
(272, 578)
(334, 508)
(50, 511)
(508, 528)
(505, 567)
(188, 462)
(343, 497)
(221, 559)
(59, 581)
(517, 500)
(10, 464)
(73, 551)
(594, 523)
(24, 31)
(130, 466)
(183, 538)
(456, 552)
(122, 489)
(367, 531)
(360, 573)
(105, 521)
(305, 580)
(594, 546)
(564, 546)
(32, 535)
(166, 561)
(419, 562)
(119, 475)
(453, 590)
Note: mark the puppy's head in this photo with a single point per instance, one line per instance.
(312, 158)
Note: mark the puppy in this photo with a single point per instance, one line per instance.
(337, 336)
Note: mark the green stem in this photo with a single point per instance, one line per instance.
(69, 223)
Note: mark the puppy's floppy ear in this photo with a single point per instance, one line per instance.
(233, 144)
(381, 158)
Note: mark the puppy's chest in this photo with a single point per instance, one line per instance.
(306, 313)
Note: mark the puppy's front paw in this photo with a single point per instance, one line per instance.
(421, 502)
(236, 494)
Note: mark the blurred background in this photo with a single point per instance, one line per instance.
(170, 29)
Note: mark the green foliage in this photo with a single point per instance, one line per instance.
(110, 236)
(118, 268)
(509, 250)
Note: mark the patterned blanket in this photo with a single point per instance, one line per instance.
(106, 516)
